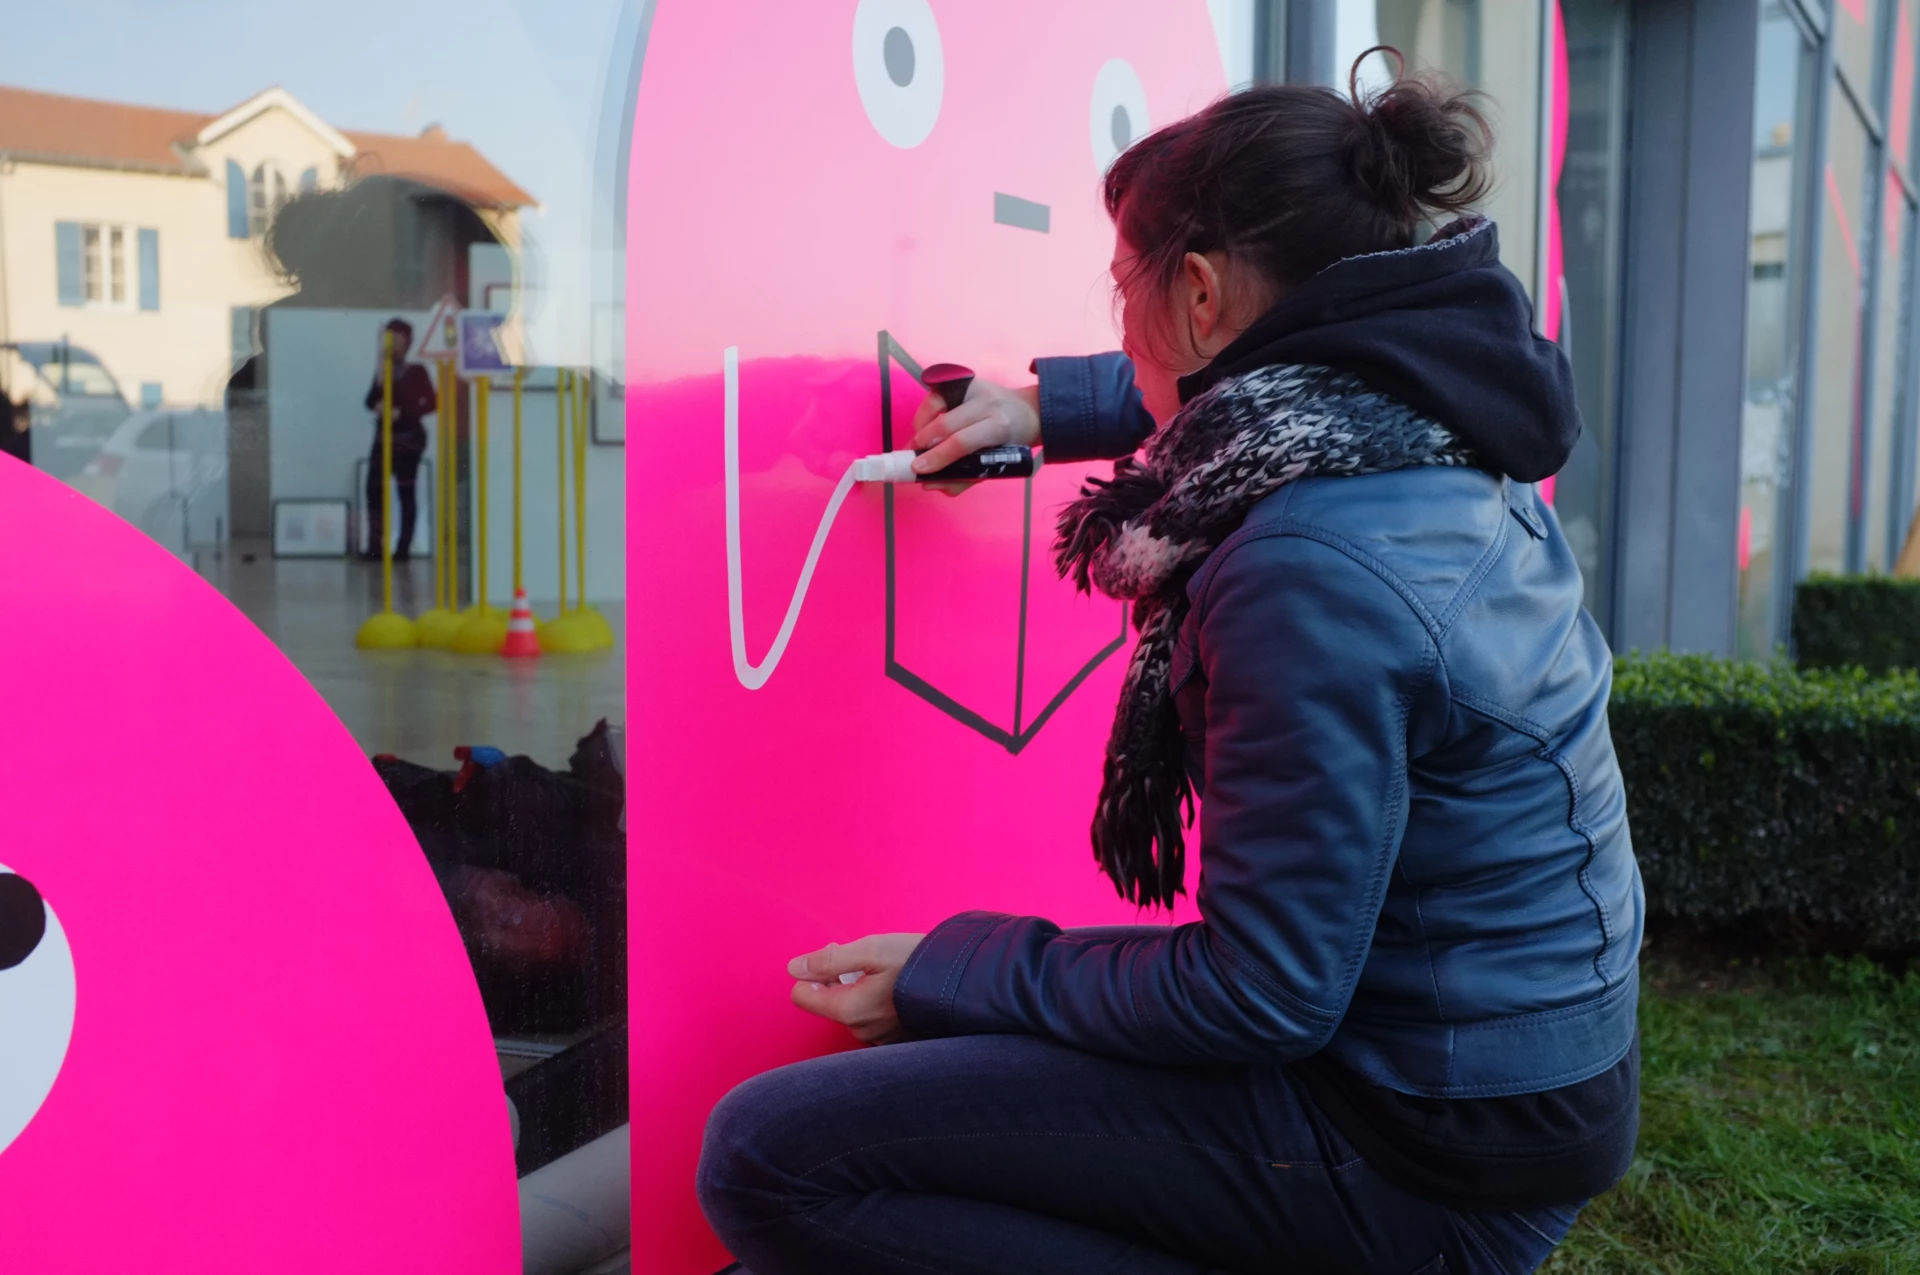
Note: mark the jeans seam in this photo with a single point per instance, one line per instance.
(1486, 1241)
(845, 1238)
(1099, 1137)
(1536, 1230)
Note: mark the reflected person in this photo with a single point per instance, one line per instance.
(413, 401)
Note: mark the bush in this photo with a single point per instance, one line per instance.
(1870, 622)
(1774, 799)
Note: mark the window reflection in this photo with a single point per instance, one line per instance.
(199, 274)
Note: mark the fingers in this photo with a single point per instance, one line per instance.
(959, 445)
(865, 1008)
(833, 960)
(944, 424)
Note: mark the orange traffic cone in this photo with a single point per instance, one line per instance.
(522, 641)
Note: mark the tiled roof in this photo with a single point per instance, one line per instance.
(79, 130)
(454, 167)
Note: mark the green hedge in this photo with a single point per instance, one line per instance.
(1869, 622)
(1774, 800)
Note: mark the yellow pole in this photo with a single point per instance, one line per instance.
(580, 407)
(562, 388)
(519, 375)
(386, 477)
(483, 391)
(440, 503)
(449, 415)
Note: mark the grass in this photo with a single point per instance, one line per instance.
(1780, 1123)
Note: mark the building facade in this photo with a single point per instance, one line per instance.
(141, 235)
(1712, 204)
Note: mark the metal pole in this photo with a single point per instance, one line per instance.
(561, 388)
(519, 376)
(483, 390)
(580, 487)
(450, 418)
(386, 477)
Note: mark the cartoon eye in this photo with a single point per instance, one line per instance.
(36, 1002)
(1117, 117)
(899, 68)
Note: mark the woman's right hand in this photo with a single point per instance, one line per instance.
(992, 415)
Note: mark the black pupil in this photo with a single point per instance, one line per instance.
(898, 51)
(1122, 128)
(23, 920)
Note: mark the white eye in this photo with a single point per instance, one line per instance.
(1117, 117)
(36, 1003)
(898, 67)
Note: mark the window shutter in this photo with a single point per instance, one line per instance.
(149, 269)
(309, 180)
(66, 248)
(236, 201)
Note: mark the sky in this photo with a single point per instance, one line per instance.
(523, 80)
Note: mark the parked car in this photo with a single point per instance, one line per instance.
(74, 403)
(165, 471)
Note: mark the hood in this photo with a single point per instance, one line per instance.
(1444, 328)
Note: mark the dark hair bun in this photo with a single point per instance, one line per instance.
(1418, 147)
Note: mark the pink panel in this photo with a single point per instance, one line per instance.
(278, 1058)
(852, 793)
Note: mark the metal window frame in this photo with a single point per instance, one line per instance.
(1870, 106)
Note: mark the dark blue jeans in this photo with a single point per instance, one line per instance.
(1004, 1155)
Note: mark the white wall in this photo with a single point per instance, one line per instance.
(606, 503)
(319, 364)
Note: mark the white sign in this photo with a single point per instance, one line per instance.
(442, 340)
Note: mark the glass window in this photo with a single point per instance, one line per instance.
(1900, 92)
(1588, 215)
(508, 212)
(1783, 103)
(1833, 496)
(1889, 366)
(1493, 45)
(1854, 24)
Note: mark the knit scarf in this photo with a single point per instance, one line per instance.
(1142, 534)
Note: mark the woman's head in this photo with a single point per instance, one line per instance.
(1219, 215)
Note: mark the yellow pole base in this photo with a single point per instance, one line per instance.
(387, 631)
(438, 627)
(595, 625)
(482, 633)
(565, 635)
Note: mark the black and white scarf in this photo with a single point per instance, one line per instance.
(1142, 534)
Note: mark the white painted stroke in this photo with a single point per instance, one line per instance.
(754, 676)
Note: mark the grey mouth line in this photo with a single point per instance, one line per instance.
(1024, 214)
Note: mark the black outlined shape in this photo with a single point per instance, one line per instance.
(1023, 730)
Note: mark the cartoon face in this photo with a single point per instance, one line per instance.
(36, 1002)
(876, 708)
(276, 1033)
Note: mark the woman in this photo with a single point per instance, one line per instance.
(1400, 1038)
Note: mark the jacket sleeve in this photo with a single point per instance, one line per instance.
(1089, 408)
(1313, 664)
(420, 392)
(373, 394)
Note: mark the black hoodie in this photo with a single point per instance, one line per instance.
(1444, 328)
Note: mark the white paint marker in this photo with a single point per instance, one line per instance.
(1007, 461)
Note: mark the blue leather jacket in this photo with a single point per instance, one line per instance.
(1413, 837)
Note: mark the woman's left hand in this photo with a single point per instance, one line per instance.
(864, 1006)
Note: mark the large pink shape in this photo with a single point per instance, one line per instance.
(279, 1061)
(870, 784)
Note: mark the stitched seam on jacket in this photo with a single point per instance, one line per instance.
(1470, 585)
(1305, 531)
(950, 988)
(1585, 875)
(1253, 970)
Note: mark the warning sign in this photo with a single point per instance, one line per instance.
(443, 331)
